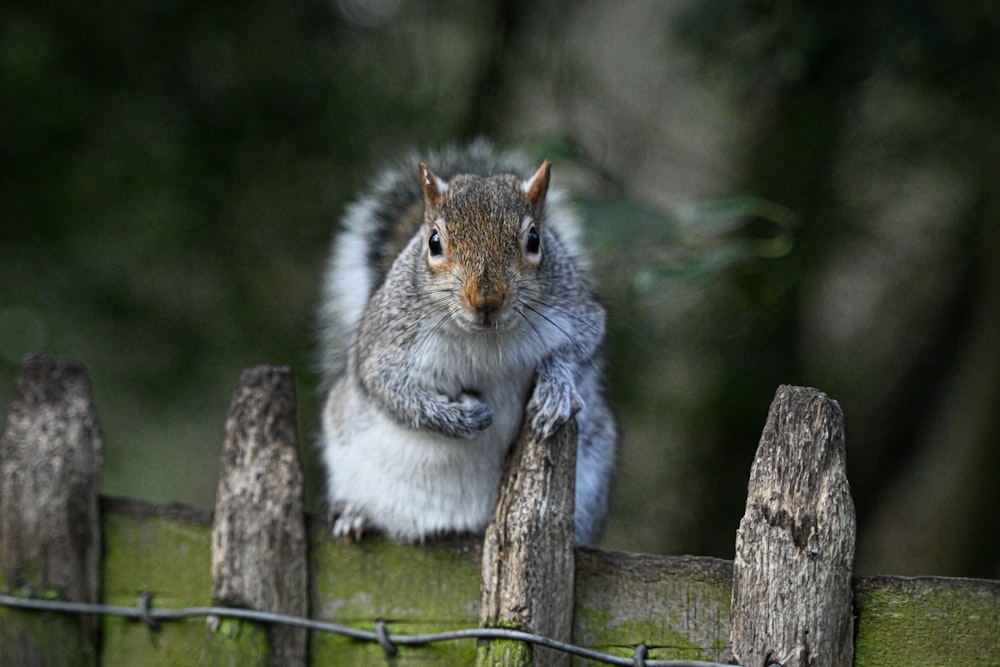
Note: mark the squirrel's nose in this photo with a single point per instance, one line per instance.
(486, 302)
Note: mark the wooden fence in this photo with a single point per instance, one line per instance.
(152, 584)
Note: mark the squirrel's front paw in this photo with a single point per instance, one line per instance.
(552, 404)
(463, 417)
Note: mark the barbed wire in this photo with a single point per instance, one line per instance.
(144, 612)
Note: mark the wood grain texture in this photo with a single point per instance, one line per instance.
(259, 538)
(795, 543)
(50, 539)
(677, 605)
(528, 559)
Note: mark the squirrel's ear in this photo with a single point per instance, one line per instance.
(536, 188)
(431, 185)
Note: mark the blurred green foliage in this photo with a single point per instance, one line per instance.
(171, 172)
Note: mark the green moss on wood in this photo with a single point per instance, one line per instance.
(505, 652)
(162, 555)
(167, 552)
(678, 607)
(926, 621)
(41, 638)
(685, 605)
(169, 558)
(417, 589)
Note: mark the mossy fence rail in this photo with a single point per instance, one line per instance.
(788, 599)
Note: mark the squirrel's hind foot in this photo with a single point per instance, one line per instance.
(348, 523)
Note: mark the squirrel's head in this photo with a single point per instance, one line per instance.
(485, 234)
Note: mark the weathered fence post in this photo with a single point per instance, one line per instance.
(528, 557)
(259, 539)
(50, 538)
(795, 544)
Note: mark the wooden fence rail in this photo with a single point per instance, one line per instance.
(789, 597)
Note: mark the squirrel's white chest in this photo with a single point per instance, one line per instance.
(414, 483)
(485, 367)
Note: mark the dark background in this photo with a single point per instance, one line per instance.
(776, 192)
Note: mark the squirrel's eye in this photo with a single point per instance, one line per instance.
(532, 243)
(434, 244)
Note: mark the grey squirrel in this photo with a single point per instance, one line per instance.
(454, 307)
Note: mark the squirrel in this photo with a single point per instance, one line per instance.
(455, 307)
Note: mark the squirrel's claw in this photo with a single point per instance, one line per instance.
(348, 524)
(552, 405)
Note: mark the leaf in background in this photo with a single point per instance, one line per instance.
(765, 224)
(700, 239)
(619, 221)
